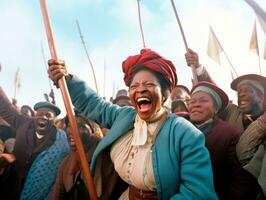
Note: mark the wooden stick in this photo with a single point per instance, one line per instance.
(86, 51)
(104, 77)
(17, 83)
(194, 75)
(46, 66)
(51, 94)
(67, 101)
(258, 48)
(140, 25)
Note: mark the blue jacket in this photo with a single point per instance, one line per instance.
(181, 163)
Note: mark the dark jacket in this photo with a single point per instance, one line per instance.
(69, 183)
(25, 149)
(230, 179)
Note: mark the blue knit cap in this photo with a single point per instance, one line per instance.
(210, 91)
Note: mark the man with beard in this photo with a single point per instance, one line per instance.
(38, 150)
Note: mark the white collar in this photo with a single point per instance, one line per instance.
(140, 132)
(39, 136)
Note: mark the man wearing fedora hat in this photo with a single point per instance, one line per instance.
(39, 148)
(122, 98)
(251, 93)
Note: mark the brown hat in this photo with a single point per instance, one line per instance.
(255, 80)
(120, 97)
(249, 77)
(217, 93)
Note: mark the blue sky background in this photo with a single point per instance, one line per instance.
(111, 31)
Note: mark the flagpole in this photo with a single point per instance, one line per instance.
(232, 67)
(104, 77)
(195, 79)
(50, 84)
(17, 83)
(260, 66)
(140, 25)
(258, 47)
(15, 91)
(68, 104)
(114, 89)
(86, 51)
(45, 65)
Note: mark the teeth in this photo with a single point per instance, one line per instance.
(143, 99)
(243, 102)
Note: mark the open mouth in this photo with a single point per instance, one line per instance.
(42, 124)
(144, 104)
(243, 103)
(195, 112)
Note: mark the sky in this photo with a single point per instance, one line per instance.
(111, 32)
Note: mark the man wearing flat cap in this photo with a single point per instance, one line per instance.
(38, 150)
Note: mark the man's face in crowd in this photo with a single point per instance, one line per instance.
(44, 120)
(250, 101)
(85, 132)
(26, 111)
(180, 94)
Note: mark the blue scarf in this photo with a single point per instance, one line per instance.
(42, 174)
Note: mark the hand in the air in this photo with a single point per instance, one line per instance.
(57, 69)
(192, 58)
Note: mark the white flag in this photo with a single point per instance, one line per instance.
(253, 45)
(214, 47)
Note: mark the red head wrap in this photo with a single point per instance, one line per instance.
(152, 60)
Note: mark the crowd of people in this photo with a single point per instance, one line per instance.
(201, 146)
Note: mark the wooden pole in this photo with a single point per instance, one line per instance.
(194, 75)
(68, 104)
(258, 47)
(45, 65)
(51, 94)
(140, 25)
(86, 51)
(104, 77)
(17, 83)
